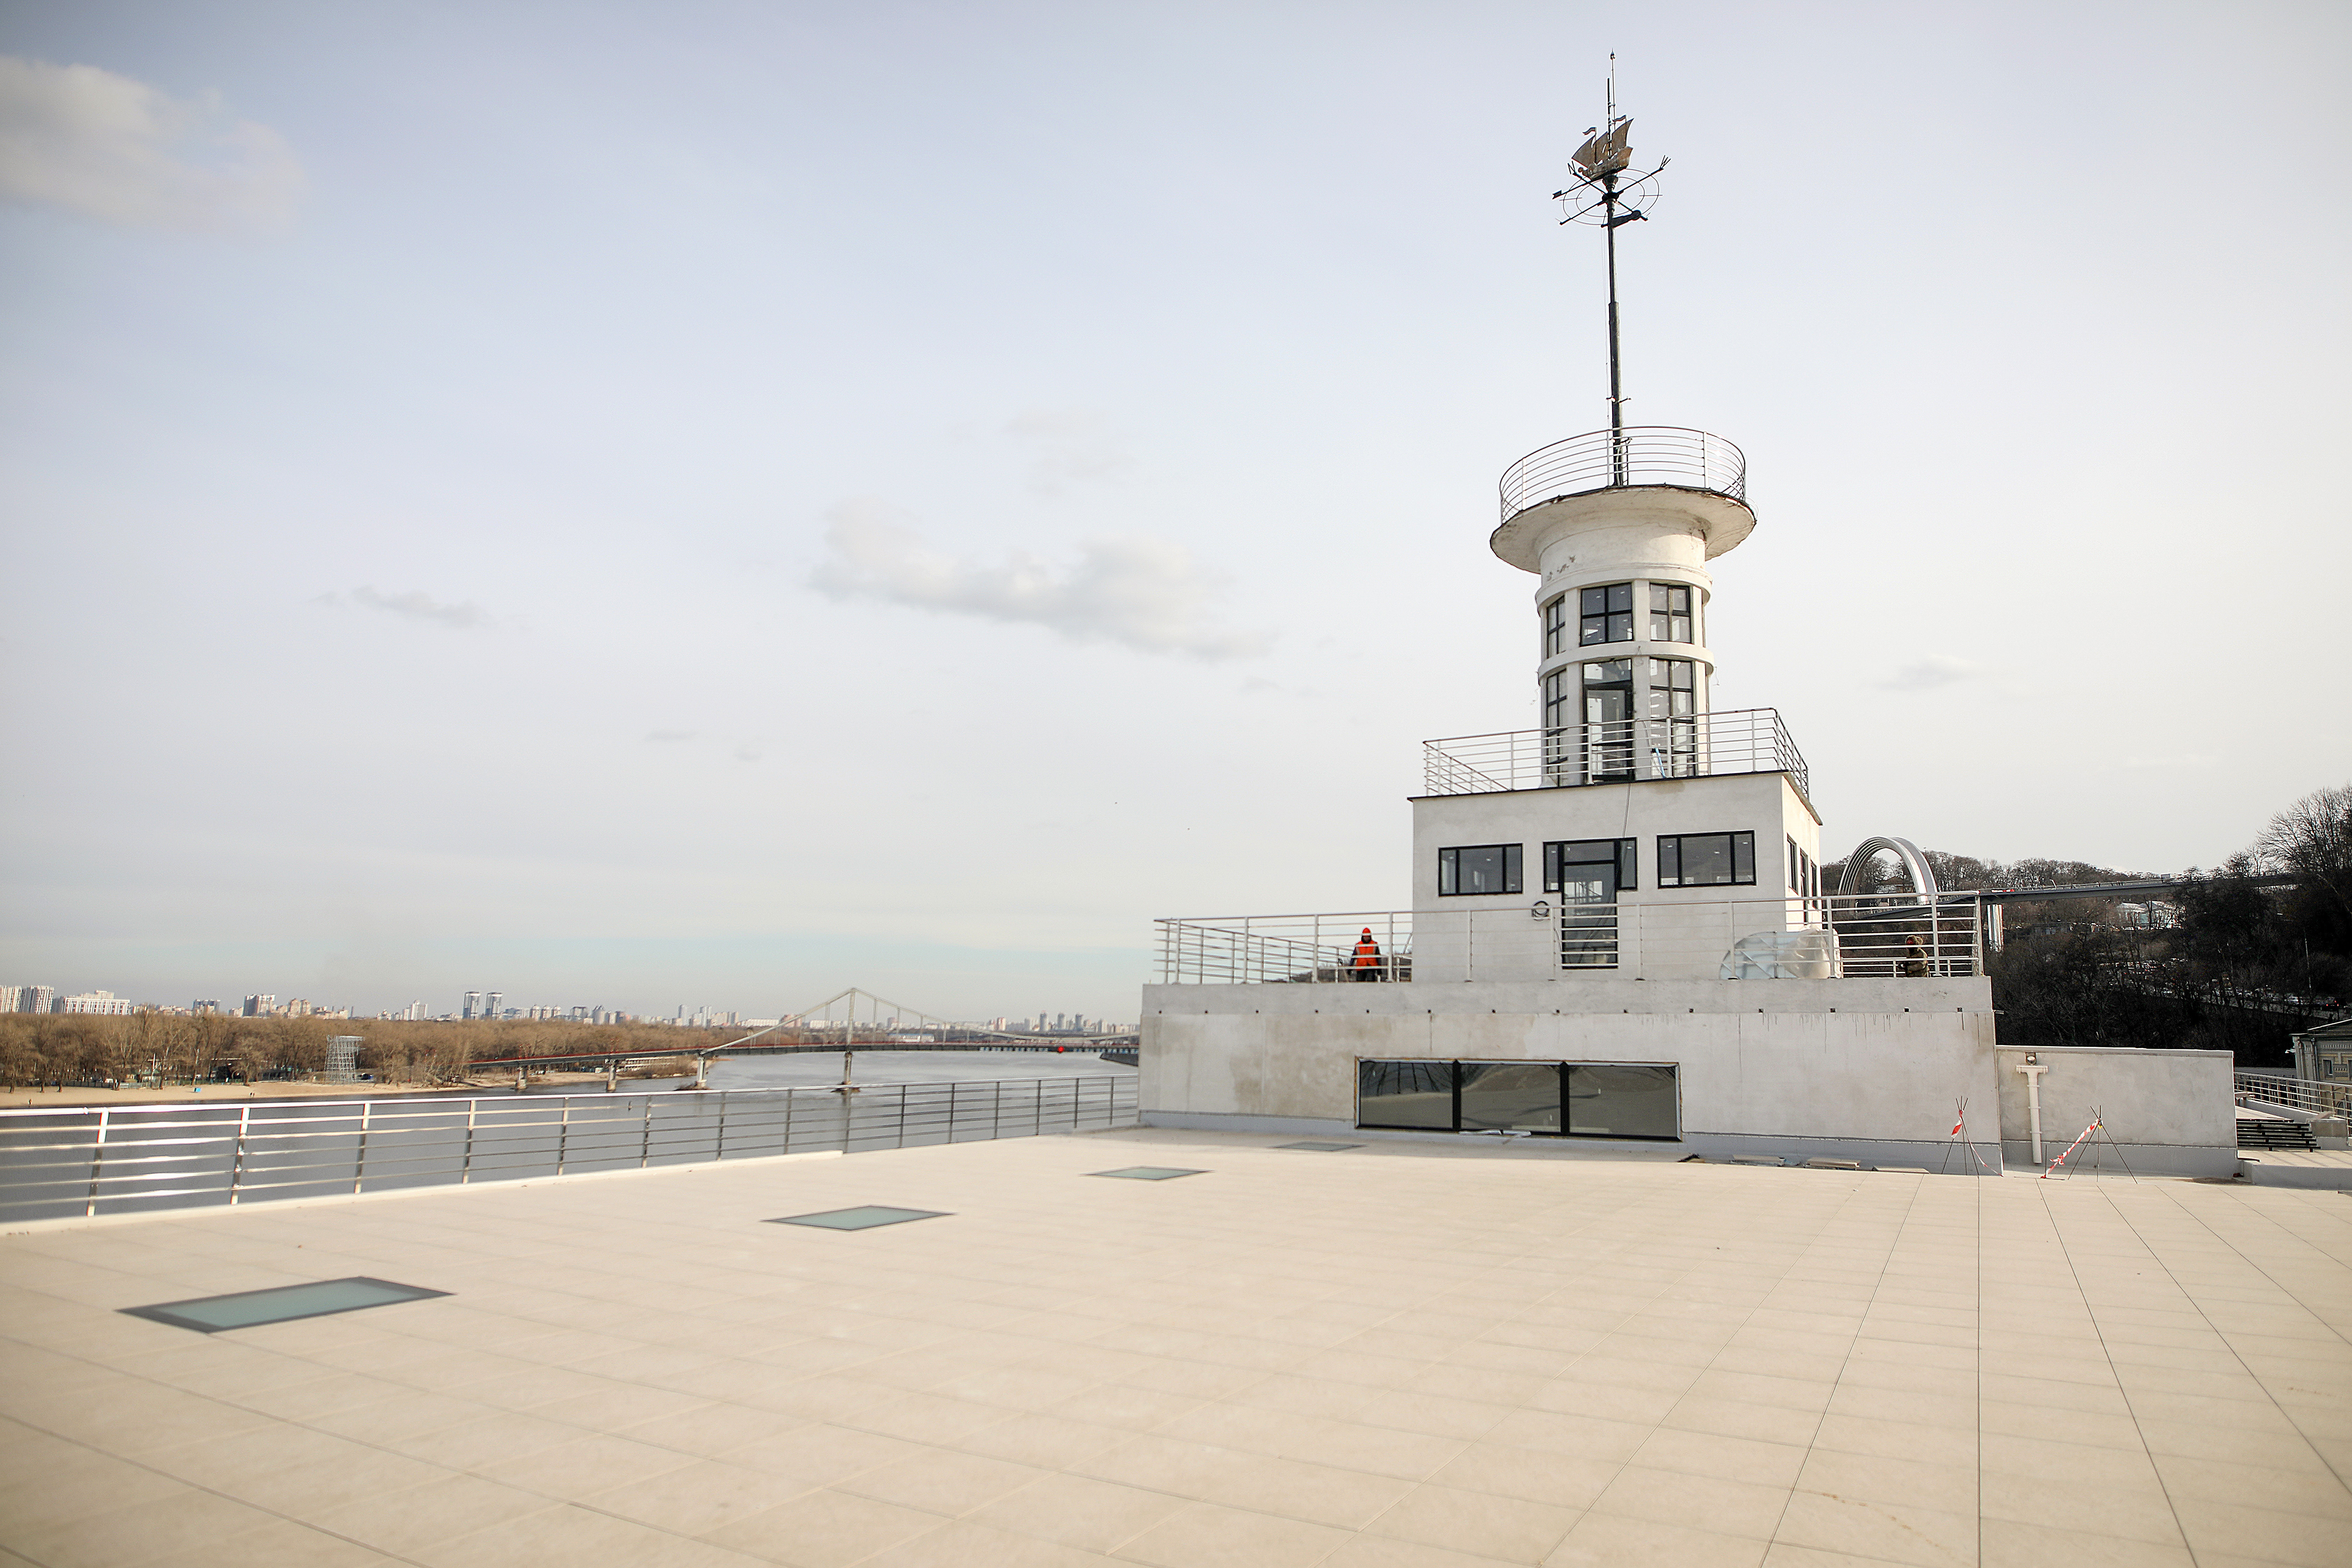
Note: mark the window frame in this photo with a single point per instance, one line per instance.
(1454, 1074)
(1731, 850)
(1449, 863)
(1585, 621)
(1554, 620)
(1688, 615)
(1629, 862)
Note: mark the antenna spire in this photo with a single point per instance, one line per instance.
(1609, 194)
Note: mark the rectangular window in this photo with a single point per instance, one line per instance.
(1673, 687)
(1612, 1100)
(1670, 613)
(1555, 622)
(1706, 860)
(1621, 853)
(1609, 744)
(1418, 1095)
(1796, 867)
(1478, 869)
(1671, 704)
(1605, 614)
(1510, 1097)
(1551, 1100)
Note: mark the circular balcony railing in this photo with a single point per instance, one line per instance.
(1607, 459)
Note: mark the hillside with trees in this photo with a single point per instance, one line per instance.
(2226, 964)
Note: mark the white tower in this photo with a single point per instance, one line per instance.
(1634, 793)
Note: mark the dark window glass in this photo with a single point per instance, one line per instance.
(1595, 1100)
(1555, 622)
(1479, 868)
(1609, 741)
(1610, 1101)
(1706, 860)
(1405, 1094)
(1605, 614)
(1510, 1097)
(1619, 853)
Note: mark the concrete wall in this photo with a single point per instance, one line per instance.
(1867, 1068)
(2170, 1112)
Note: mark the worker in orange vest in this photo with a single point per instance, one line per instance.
(1367, 964)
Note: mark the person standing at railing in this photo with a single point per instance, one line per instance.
(1366, 966)
(1914, 957)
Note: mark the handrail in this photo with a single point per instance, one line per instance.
(2313, 1099)
(83, 1161)
(1652, 934)
(1616, 751)
(1608, 459)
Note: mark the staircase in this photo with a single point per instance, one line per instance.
(2273, 1132)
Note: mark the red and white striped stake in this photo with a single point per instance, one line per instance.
(2077, 1143)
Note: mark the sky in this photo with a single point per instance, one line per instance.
(718, 503)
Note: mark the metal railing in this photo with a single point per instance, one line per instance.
(2302, 1094)
(1537, 937)
(1743, 740)
(1641, 455)
(135, 1158)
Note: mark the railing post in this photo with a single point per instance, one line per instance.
(719, 1152)
(236, 1162)
(645, 1145)
(563, 1132)
(951, 1109)
(902, 1114)
(97, 1162)
(465, 1169)
(996, 1111)
(358, 1156)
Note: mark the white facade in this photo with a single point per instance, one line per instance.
(105, 1003)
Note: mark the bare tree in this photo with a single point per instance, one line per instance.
(2313, 839)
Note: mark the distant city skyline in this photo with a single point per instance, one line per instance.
(486, 1005)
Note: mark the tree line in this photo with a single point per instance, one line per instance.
(75, 1049)
(2240, 968)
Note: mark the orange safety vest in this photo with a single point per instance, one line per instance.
(1368, 951)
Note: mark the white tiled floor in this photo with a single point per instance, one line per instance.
(1399, 1356)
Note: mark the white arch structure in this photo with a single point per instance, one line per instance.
(1923, 877)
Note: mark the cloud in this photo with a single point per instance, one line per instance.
(113, 148)
(1935, 670)
(417, 606)
(1072, 447)
(1145, 593)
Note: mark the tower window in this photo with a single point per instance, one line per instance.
(1706, 860)
(1673, 687)
(1479, 868)
(1670, 613)
(1605, 614)
(1672, 705)
(1555, 619)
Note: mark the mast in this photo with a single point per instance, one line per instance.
(1608, 234)
(1611, 198)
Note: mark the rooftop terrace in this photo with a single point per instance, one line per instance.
(1390, 1355)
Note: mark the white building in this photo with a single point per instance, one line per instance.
(1617, 928)
(27, 998)
(105, 1003)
